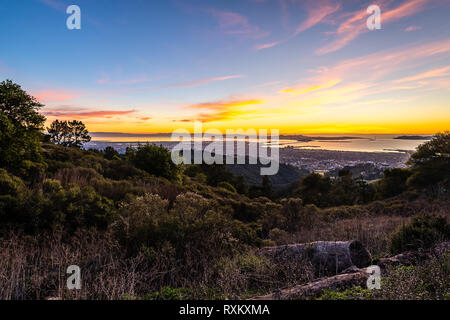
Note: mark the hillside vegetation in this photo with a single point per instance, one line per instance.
(141, 227)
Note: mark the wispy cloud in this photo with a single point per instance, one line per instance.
(354, 26)
(298, 90)
(317, 12)
(54, 95)
(435, 73)
(108, 80)
(223, 109)
(412, 28)
(267, 45)
(57, 5)
(86, 114)
(204, 81)
(237, 24)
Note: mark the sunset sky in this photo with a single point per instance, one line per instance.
(296, 65)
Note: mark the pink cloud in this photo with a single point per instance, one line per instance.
(54, 95)
(236, 24)
(89, 114)
(435, 73)
(354, 26)
(317, 12)
(412, 28)
(267, 45)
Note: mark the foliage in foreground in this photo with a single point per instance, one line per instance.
(421, 233)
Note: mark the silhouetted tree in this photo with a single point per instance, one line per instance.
(430, 164)
(392, 183)
(68, 133)
(154, 159)
(110, 153)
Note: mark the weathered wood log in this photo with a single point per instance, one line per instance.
(354, 276)
(327, 257)
(316, 288)
(409, 258)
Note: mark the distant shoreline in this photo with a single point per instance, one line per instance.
(413, 138)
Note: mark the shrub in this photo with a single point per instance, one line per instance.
(355, 293)
(227, 186)
(51, 186)
(422, 232)
(392, 183)
(10, 185)
(154, 160)
(427, 280)
(169, 293)
(79, 176)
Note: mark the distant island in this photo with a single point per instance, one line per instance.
(303, 138)
(413, 138)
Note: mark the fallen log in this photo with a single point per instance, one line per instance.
(409, 258)
(327, 257)
(353, 276)
(314, 289)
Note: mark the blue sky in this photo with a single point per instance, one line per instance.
(300, 66)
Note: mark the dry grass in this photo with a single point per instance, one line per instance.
(36, 269)
(373, 231)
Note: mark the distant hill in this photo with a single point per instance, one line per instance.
(413, 138)
(251, 172)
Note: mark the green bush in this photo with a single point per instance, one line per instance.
(51, 186)
(392, 183)
(154, 160)
(227, 186)
(10, 185)
(422, 232)
(169, 293)
(355, 293)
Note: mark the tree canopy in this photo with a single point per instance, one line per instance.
(21, 127)
(430, 164)
(68, 133)
(20, 107)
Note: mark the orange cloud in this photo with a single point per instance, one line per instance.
(306, 89)
(223, 110)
